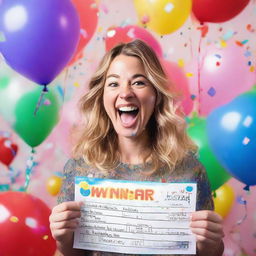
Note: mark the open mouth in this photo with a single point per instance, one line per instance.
(128, 114)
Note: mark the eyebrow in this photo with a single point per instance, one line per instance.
(133, 77)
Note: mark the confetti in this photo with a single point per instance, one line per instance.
(252, 68)
(14, 219)
(223, 43)
(45, 237)
(246, 140)
(192, 96)
(204, 30)
(189, 74)
(47, 102)
(218, 56)
(100, 29)
(76, 84)
(211, 91)
(104, 8)
(247, 54)
(239, 43)
(181, 63)
(250, 28)
(247, 121)
(228, 35)
(241, 200)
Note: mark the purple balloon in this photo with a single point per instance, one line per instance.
(39, 37)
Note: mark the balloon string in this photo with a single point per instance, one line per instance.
(234, 229)
(199, 75)
(29, 168)
(12, 178)
(39, 103)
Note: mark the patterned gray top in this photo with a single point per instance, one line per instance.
(189, 170)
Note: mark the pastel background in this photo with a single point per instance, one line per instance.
(211, 64)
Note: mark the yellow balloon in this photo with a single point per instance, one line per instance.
(53, 185)
(224, 200)
(163, 16)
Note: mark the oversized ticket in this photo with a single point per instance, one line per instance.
(135, 217)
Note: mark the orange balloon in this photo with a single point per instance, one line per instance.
(53, 185)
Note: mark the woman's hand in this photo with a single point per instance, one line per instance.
(64, 220)
(207, 226)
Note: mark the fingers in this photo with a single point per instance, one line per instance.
(63, 216)
(206, 215)
(66, 206)
(207, 226)
(70, 224)
(205, 235)
(64, 219)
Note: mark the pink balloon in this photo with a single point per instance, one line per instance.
(116, 35)
(178, 84)
(224, 74)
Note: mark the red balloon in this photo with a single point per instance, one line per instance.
(178, 85)
(88, 14)
(24, 226)
(8, 151)
(116, 35)
(217, 10)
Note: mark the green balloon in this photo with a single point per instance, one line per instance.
(34, 129)
(215, 172)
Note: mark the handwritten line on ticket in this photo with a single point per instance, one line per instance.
(135, 217)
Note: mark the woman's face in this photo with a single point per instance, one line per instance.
(129, 98)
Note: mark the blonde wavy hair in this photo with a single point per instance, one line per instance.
(97, 142)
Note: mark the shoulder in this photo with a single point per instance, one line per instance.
(190, 165)
(76, 166)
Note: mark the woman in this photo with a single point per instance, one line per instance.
(134, 131)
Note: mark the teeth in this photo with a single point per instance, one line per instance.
(128, 108)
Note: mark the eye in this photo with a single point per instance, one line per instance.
(139, 83)
(113, 84)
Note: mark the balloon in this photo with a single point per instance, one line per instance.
(116, 35)
(178, 84)
(217, 10)
(224, 200)
(215, 172)
(88, 14)
(34, 129)
(163, 16)
(24, 225)
(18, 101)
(232, 136)
(8, 151)
(53, 185)
(224, 74)
(40, 36)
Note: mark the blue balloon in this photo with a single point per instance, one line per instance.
(232, 136)
(38, 37)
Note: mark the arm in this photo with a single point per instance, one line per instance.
(63, 222)
(205, 223)
(63, 219)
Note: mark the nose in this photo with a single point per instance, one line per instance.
(126, 91)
